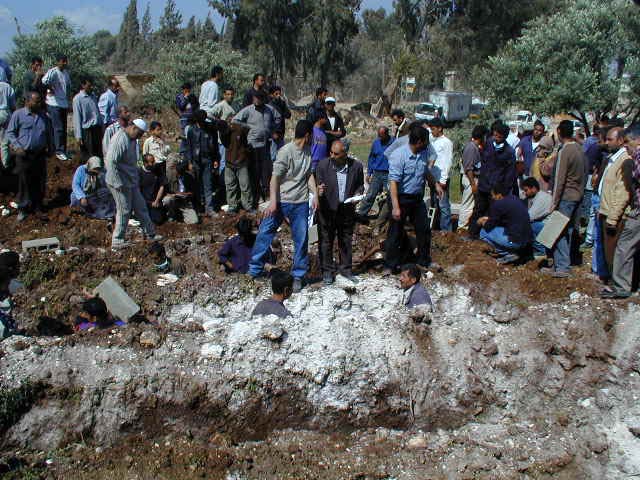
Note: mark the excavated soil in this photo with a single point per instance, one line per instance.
(539, 375)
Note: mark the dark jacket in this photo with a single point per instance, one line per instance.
(511, 213)
(498, 168)
(200, 145)
(339, 126)
(281, 106)
(326, 173)
(315, 111)
(187, 105)
(248, 96)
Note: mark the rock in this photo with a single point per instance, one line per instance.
(150, 339)
(490, 349)
(635, 431)
(417, 442)
(212, 350)
(598, 443)
(274, 333)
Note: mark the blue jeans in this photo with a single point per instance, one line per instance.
(598, 260)
(58, 118)
(498, 239)
(561, 252)
(379, 181)
(298, 214)
(594, 205)
(444, 207)
(538, 248)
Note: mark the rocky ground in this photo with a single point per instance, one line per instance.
(513, 376)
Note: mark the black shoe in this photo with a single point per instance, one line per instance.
(611, 294)
(297, 285)
(327, 278)
(362, 219)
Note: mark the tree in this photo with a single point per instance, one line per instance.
(207, 30)
(146, 29)
(129, 36)
(191, 62)
(170, 22)
(106, 44)
(574, 61)
(190, 32)
(50, 38)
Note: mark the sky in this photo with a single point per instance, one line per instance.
(92, 15)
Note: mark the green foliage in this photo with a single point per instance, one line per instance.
(192, 62)
(54, 36)
(566, 62)
(105, 43)
(170, 23)
(128, 49)
(14, 402)
(36, 271)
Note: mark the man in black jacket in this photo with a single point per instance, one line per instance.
(339, 178)
(498, 169)
(335, 126)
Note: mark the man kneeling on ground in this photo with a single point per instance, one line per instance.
(414, 293)
(90, 193)
(282, 288)
(539, 204)
(507, 228)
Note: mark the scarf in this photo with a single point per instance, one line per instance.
(91, 181)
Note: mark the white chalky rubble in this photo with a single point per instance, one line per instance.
(481, 378)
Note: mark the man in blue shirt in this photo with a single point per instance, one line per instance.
(30, 137)
(108, 103)
(408, 174)
(528, 147)
(377, 169)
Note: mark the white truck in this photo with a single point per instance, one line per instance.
(451, 107)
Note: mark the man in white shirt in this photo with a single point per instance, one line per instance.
(58, 85)
(210, 92)
(513, 139)
(441, 169)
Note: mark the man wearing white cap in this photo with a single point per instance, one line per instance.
(123, 181)
(335, 126)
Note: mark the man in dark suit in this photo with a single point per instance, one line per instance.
(339, 178)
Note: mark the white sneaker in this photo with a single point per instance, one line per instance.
(62, 157)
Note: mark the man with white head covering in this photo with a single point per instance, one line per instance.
(123, 180)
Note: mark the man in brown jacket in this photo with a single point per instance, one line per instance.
(236, 172)
(614, 194)
(567, 191)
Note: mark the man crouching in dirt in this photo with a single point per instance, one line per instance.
(123, 181)
(414, 293)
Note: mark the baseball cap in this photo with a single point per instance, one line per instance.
(329, 100)
(141, 124)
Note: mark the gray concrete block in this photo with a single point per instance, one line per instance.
(41, 244)
(119, 304)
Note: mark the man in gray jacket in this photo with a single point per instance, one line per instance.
(124, 183)
(414, 293)
(262, 121)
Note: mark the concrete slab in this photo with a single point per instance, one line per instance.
(119, 304)
(41, 244)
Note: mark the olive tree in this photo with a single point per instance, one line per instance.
(582, 59)
(192, 62)
(53, 36)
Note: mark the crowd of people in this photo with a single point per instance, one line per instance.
(235, 154)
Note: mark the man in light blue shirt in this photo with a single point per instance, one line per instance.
(87, 123)
(108, 103)
(210, 91)
(30, 138)
(7, 106)
(408, 174)
(58, 85)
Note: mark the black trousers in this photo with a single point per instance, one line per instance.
(31, 169)
(260, 169)
(340, 224)
(91, 142)
(412, 207)
(482, 202)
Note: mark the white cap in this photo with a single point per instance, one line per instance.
(329, 100)
(141, 124)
